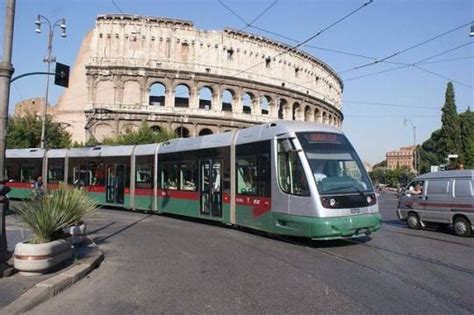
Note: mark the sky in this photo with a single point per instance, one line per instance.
(375, 101)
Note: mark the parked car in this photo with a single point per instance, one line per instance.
(441, 197)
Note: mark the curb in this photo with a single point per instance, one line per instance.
(48, 288)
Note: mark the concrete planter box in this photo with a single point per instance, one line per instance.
(77, 232)
(36, 259)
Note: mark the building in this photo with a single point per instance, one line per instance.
(33, 105)
(131, 69)
(402, 157)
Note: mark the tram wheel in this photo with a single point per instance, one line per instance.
(413, 221)
(462, 227)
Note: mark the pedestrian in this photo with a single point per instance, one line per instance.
(38, 187)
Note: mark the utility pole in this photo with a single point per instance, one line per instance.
(6, 71)
(414, 143)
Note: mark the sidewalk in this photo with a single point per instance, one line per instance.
(20, 293)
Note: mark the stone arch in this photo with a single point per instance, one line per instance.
(247, 102)
(325, 117)
(205, 131)
(182, 132)
(330, 119)
(295, 111)
(205, 97)
(228, 97)
(128, 128)
(182, 94)
(157, 94)
(156, 129)
(308, 113)
(317, 115)
(131, 92)
(105, 92)
(282, 107)
(265, 104)
(102, 131)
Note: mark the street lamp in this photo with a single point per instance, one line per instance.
(61, 23)
(405, 121)
(472, 30)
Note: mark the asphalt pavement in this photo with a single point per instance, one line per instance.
(161, 264)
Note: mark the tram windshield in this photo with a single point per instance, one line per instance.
(334, 163)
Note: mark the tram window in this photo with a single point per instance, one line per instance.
(291, 176)
(55, 170)
(144, 172)
(97, 173)
(253, 175)
(169, 175)
(12, 171)
(82, 176)
(29, 172)
(188, 175)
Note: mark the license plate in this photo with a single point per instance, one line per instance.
(355, 210)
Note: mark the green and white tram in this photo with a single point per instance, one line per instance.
(289, 178)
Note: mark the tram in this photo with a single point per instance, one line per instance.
(288, 178)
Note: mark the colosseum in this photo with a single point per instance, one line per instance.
(131, 69)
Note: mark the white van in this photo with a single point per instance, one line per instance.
(442, 197)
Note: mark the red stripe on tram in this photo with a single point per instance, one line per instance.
(20, 185)
(260, 205)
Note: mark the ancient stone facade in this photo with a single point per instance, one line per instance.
(165, 71)
(32, 106)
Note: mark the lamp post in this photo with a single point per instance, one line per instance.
(6, 71)
(472, 30)
(61, 23)
(405, 121)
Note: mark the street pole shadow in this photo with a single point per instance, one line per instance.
(102, 239)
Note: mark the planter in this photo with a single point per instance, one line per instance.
(36, 259)
(77, 232)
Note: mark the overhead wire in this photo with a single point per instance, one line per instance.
(392, 105)
(447, 60)
(415, 65)
(293, 48)
(397, 53)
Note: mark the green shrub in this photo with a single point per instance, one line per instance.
(49, 214)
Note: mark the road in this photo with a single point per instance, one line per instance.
(160, 264)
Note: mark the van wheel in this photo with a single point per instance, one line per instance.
(413, 221)
(462, 227)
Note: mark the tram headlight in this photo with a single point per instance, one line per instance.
(371, 199)
(329, 202)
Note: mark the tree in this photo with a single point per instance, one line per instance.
(450, 138)
(25, 132)
(381, 164)
(143, 135)
(467, 136)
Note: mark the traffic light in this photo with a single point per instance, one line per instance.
(61, 75)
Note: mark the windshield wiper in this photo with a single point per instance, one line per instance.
(345, 187)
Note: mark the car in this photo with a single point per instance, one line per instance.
(444, 198)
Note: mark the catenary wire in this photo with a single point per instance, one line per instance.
(293, 48)
(397, 53)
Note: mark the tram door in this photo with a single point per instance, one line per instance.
(211, 188)
(115, 190)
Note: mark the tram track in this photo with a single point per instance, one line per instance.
(416, 257)
(384, 272)
(427, 238)
(401, 279)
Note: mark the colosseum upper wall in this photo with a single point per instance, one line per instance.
(165, 71)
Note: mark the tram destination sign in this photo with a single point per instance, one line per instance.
(324, 137)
